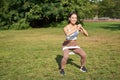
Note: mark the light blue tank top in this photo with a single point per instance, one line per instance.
(73, 36)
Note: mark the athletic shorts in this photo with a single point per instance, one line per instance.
(70, 44)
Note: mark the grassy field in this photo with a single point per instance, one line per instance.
(35, 54)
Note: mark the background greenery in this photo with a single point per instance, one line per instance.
(35, 54)
(23, 14)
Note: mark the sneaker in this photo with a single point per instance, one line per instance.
(83, 69)
(62, 72)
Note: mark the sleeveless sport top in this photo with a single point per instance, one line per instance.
(73, 36)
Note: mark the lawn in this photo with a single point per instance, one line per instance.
(35, 54)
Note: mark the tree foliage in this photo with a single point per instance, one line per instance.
(106, 8)
(110, 8)
(19, 14)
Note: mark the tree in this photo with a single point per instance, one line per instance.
(13, 14)
(18, 14)
(110, 8)
(95, 7)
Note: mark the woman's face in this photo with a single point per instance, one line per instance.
(73, 19)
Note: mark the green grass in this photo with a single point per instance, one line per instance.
(35, 54)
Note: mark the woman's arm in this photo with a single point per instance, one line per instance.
(82, 30)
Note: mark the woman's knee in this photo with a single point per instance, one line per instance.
(83, 56)
(82, 53)
(65, 57)
(66, 54)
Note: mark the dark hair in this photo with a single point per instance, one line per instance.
(70, 14)
(78, 21)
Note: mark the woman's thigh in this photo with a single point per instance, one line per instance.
(66, 53)
(80, 52)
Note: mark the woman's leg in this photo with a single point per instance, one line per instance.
(81, 53)
(65, 58)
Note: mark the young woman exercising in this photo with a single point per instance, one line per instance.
(71, 31)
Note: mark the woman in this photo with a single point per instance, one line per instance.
(71, 31)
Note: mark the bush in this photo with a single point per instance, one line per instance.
(21, 24)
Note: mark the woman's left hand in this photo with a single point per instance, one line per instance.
(80, 28)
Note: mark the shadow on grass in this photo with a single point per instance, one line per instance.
(112, 27)
(70, 61)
